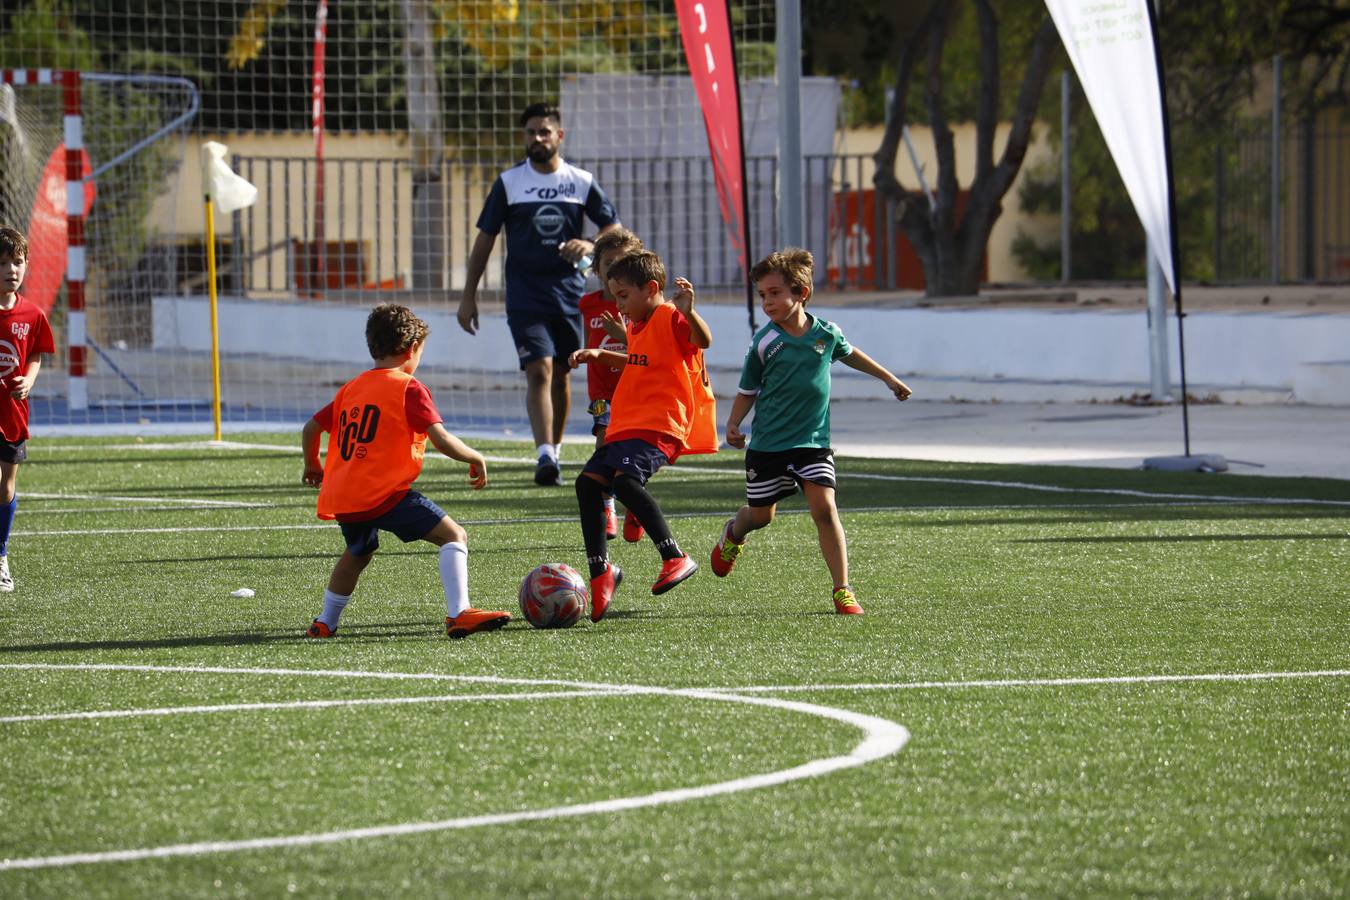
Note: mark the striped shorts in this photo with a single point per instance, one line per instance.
(774, 476)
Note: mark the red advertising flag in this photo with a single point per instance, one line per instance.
(47, 230)
(705, 30)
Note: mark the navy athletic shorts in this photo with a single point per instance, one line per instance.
(544, 336)
(411, 519)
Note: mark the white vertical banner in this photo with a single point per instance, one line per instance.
(1111, 46)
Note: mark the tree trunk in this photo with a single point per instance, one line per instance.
(951, 248)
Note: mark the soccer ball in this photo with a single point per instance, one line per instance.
(553, 596)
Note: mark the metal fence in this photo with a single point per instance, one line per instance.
(1281, 213)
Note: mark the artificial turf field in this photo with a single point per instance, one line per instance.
(1068, 682)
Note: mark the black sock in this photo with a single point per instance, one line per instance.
(643, 505)
(591, 503)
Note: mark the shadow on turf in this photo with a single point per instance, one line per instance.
(1181, 538)
(378, 631)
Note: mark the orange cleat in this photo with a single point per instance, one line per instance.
(632, 528)
(611, 524)
(726, 550)
(473, 620)
(320, 630)
(673, 571)
(845, 603)
(603, 587)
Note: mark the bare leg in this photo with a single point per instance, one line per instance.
(831, 531)
(9, 478)
(751, 518)
(345, 574)
(538, 378)
(561, 391)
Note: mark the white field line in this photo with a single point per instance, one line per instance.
(295, 704)
(881, 738)
(476, 523)
(1039, 682)
(227, 504)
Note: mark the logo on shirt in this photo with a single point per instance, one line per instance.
(549, 221)
(637, 359)
(566, 189)
(356, 428)
(20, 329)
(9, 358)
(820, 348)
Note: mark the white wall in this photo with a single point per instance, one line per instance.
(1033, 355)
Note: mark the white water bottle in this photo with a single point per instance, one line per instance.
(582, 265)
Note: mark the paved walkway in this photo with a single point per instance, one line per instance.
(1260, 440)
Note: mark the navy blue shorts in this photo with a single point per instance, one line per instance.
(599, 410)
(544, 336)
(633, 457)
(411, 519)
(14, 452)
(774, 476)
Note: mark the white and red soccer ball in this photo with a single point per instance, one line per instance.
(553, 596)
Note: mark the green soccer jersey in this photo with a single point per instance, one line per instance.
(789, 377)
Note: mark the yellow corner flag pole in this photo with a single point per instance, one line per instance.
(228, 191)
(215, 320)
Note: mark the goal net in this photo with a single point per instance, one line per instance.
(91, 164)
(373, 131)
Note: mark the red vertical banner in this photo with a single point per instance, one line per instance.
(318, 255)
(705, 30)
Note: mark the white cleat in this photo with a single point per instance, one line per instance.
(6, 580)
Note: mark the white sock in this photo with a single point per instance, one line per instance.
(455, 577)
(546, 450)
(609, 502)
(333, 605)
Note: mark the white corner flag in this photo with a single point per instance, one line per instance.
(228, 191)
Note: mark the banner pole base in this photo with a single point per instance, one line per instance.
(1200, 462)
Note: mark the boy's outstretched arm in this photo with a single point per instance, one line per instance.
(595, 355)
(456, 449)
(739, 408)
(868, 366)
(700, 335)
(309, 445)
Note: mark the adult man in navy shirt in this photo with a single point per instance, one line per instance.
(543, 201)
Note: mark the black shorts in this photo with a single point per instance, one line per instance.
(13, 452)
(632, 457)
(774, 476)
(544, 336)
(411, 519)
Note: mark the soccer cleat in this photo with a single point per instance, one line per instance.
(845, 603)
(546, 472)
(471, 621)
(611, 524)
(603, 587)
(632, 528)
(320, 630)
(673, 571)
(726, 550)
(6, 579)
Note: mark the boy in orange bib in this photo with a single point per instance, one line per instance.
(663, 409)
(378, 426)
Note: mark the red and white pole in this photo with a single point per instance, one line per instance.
(76, 260)
(319, 255)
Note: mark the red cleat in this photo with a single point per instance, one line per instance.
(845, 603)
(673, 571)
(725, 552)
(603, 587)
(472, 621)
(320, 630)
(611, 524)
(632, 528)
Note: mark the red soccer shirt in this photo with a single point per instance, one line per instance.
(24, 333)
(600, 380)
